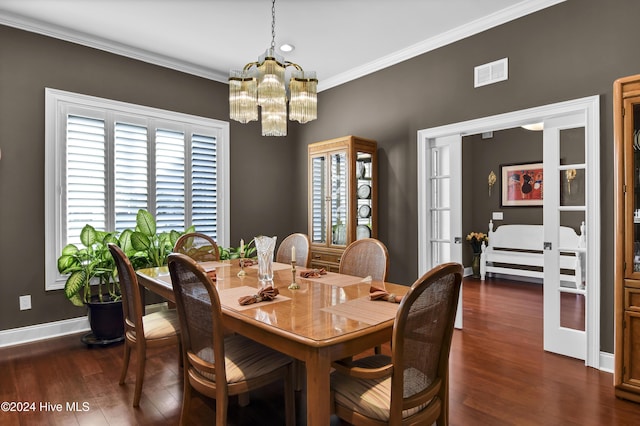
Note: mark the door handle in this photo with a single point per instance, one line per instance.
(457, 240)
(546, 245)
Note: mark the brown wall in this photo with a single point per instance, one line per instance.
(571, 50)
(481, 156)
(28, 64)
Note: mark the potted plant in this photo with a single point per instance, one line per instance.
(92, 263)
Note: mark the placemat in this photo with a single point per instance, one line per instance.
(338, 280)
(365, 310)
(229, 298)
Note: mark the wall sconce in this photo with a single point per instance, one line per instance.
(491, 180)
(571, 175)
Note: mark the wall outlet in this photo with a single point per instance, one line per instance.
(496, 216)
(25, 302)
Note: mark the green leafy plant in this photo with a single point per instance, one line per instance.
(144, 246)
(90, 262)
(234, 252)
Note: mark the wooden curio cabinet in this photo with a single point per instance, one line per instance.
(343, 197)
(627, 237)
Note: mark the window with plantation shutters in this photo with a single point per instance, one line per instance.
(105, 160)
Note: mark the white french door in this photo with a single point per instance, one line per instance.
(442, 184)
(569, 210)
(565, 200)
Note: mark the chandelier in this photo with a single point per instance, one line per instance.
(262, 83)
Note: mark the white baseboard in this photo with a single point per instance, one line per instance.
(606, 362)
(32, 333)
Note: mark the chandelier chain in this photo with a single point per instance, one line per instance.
(273, 24)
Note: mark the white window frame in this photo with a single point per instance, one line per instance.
(57, 105)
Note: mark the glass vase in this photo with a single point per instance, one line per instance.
(265, 247)
(475, 265)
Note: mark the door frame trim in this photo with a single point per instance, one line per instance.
(590, 106)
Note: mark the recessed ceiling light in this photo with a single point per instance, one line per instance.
(287, 47)
(535, 126)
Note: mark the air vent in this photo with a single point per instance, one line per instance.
(492, 72)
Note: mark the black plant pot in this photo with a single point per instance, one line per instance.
(106, 321)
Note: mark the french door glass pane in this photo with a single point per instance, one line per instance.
(573, 175)
(440, 252)
(440, 192)
(572, 304)
(440, 182)
(441, 224)
(572, 146)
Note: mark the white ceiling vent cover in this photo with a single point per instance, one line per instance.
(490, 73)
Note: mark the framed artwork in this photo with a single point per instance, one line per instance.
(522, 185)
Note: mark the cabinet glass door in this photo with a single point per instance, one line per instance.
(364, 194)
(339, 203)
(632, 148)
(318, 200)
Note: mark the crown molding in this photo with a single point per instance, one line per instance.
(509, 14)
(84, 39)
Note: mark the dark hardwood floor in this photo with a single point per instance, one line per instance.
(499, 375)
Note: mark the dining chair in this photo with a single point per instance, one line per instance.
(365, 257)
(302, 244)
(142, 331)
(218, 365)
(198, 246)
(409, 387)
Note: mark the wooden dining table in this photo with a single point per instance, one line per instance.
(327, 318)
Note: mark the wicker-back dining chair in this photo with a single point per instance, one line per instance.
(200, 247)
(218, 365)
(365, 257)
(411, 386)
(301, 243)
(142, 331)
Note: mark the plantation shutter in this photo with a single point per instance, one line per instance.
(170, 180)
(175, 178)
(85, 175)
(131, 177)
(105, 160)
(204, 184)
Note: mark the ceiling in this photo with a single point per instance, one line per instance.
(339, 39)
